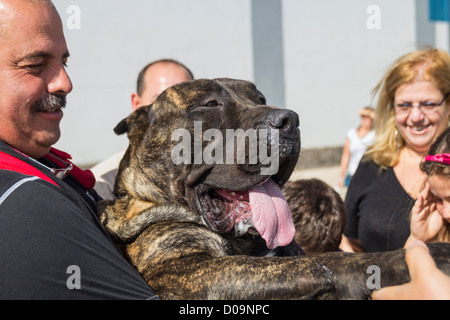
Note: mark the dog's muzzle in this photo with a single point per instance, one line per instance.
(285, 121)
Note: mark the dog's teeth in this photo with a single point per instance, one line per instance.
(233, 194)
(241, 197)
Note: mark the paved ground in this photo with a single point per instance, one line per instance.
(328, 174)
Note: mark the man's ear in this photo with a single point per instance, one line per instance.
(136, 124)
(135, 101)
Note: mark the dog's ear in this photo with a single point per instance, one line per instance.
(135, 124)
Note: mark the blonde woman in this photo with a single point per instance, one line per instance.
(413, 110)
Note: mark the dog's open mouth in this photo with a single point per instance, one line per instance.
(261, 209)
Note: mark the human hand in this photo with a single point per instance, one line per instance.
(427, 281)
(426, 222)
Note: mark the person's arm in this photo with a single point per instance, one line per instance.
(345, 159)
(427, 281)
(351, 245)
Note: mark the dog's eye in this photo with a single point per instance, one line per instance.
(208, 103)
(211, 104)
(261, 98)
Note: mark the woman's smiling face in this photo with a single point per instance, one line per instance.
(420, 130)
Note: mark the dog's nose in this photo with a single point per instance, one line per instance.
(286, 121)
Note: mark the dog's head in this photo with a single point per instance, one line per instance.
(216, 147)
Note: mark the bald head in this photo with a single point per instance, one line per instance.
(44, 3)
(8, 8)
(157, 77)
(6, 5)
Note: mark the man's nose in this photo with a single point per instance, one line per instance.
(60, 82)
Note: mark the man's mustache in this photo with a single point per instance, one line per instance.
(49, 103)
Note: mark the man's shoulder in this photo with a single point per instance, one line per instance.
(9, 177)
(105, 174)
(26, 190)
(107, 165)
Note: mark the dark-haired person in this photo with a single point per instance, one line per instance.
(318, 213)
(154, 78)
(430, 216)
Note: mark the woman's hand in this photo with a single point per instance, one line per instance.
(427, 281)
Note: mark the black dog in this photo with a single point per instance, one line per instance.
(198, 217)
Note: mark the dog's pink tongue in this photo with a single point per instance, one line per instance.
(271, 215)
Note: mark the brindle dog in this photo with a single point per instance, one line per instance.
(211, 230)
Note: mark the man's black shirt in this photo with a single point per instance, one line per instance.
(52, 245)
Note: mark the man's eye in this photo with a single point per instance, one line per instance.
(404, 105)
(35, 67)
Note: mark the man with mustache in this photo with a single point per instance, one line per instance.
(52, 245)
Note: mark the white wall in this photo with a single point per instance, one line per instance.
(332, 60)
(118, 38)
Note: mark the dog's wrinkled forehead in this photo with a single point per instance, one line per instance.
(186, 94)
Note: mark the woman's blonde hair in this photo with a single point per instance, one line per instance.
(428, 65)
